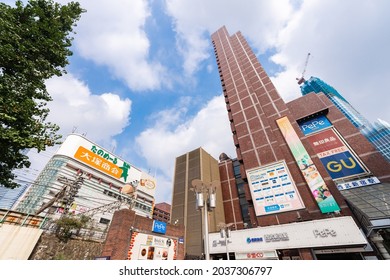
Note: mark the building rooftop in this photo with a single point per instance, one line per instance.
(163, 206)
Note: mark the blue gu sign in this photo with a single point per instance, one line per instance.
(159, 227)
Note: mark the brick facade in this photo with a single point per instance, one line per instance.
(124, 221)
(254, 106)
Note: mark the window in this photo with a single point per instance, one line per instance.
(104, 221)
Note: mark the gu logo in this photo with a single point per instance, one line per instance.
(342, 165)
(335, 166)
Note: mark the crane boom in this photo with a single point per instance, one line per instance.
(302, 79)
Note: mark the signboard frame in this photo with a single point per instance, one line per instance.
(273, 190)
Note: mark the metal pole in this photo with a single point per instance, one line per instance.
(206, 229)
(226, 243)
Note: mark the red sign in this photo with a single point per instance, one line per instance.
(325, 141)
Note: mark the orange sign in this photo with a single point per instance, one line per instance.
(92, 159)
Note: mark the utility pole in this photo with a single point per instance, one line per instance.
(205, 201)
(66, 195)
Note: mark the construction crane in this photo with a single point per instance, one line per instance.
(302, 79)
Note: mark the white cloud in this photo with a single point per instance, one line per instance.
(348, 42)
(194, 21)
(112, 34)
(172, 135)
(99, 116)
(348, 46)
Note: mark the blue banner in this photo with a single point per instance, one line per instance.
(342, 165)
(315, 124)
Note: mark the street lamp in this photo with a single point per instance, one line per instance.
(206, 201)
(224, 230)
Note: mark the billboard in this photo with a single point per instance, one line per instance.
(315, 124)
(273, 189)
(150, 247)
(335, 155)
(318, 188)
(79, 148)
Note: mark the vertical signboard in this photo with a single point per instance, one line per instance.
(319, 190)
(337, 158)
(272, 189)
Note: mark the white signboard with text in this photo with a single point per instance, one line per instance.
(273, 190)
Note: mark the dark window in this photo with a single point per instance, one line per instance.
(104, 221)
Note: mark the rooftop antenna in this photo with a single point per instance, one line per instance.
(302, 79)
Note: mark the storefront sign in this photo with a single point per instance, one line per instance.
(258, 255)
(276, 237)
(88, 157)
(335, 155)
(342, 165)
(319, 190)
(358, 183)
(254, 239)
(324, 233)
(337, 232)
(159, 227)
(315, 124)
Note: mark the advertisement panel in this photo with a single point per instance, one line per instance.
(273, 190)
(79, 148)
(335, 155)
(150, 247)
(319, 190)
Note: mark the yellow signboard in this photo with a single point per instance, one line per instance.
(98, 162)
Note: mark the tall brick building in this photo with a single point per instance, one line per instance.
(286, 179)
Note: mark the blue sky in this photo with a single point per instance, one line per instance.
(143, 78)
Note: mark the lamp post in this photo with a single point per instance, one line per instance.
(224, 230)
(206, 201)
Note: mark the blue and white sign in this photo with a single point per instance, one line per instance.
(315, 124)
(358, 183)
(159, 227)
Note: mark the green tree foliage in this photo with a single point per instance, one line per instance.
(68, 225)
(34, 45)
